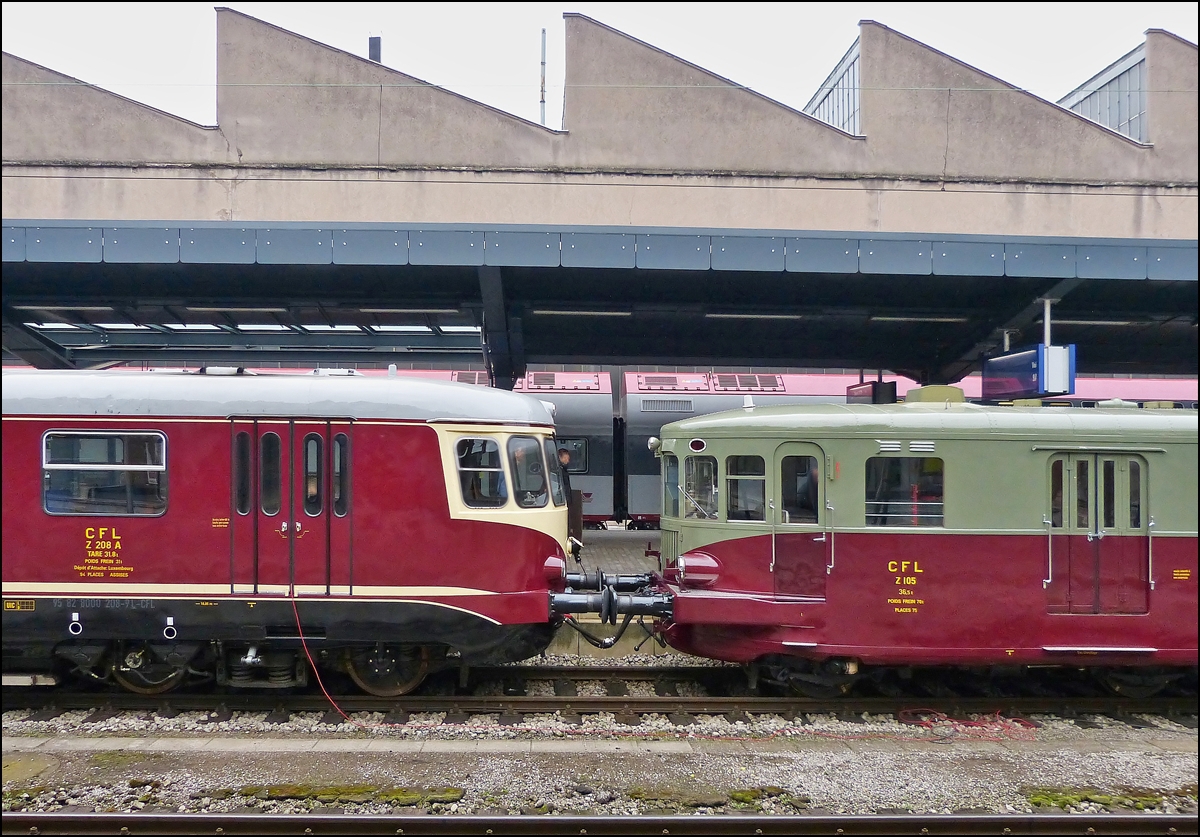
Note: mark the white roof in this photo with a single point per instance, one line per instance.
(158, 393)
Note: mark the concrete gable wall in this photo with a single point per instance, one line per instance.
(286, 100)
(1171, 104)
(927, 113)
(629, 105)
(51, 117)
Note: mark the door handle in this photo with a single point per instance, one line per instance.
(820, 538)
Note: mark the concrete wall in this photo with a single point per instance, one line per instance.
(1171, 102)
(307, 132)
(287, 100)
(483, 198)
(928, 114)
(48, 116)
(629, 106)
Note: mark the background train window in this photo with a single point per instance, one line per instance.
(269, 484)
(700, 487)
(313, 475)
(556, 488)
(799, 478)
(745, 488)
(670, 466)
(578, 448)
(481, 473)
(241, 472)
(104, 473)
(528, 472)
(341, 474)
(904, 491)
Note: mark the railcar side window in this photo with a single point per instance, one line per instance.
(313, 475)
(528, 472)
(481, 473)
(904, 491)
(1109, 481)
(1082, 483)
(1135, 494)
(700, 487)
(241, 472)
(269, 483)
(745, 488)
(578, 448)
(104, 473)
(556, 488)
(341, 474)
(799, 478)
(1056, 494)
(670, 467)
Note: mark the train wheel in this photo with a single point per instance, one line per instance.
(137, 670)
(1132, 683)
(812, 682)
(388, 670)
(819, 691)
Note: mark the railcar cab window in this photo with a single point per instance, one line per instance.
(528, 472)
(904, 491)
(88, 473)
(700, 487)
(745, 488)
(481, 473)
(800, 480)
(556, 488)
(578, 448)
(670, 466)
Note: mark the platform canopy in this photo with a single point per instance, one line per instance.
(914, 217)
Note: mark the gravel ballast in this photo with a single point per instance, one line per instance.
(821, 764)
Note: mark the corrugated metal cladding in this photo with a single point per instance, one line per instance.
(1116, 96)
(676, 250)
(836, 100)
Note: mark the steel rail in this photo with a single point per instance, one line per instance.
(584, 704)
(224, 824)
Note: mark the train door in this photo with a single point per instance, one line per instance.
(800, 534)
(1099, 544)
(294, 536)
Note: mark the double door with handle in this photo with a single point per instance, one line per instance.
(291, 501)
(1098, 550)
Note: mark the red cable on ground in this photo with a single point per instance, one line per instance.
(313, 665)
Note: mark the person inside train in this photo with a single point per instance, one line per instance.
(564, 461)
(529, 483)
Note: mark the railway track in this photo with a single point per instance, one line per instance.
(627, 709)
(1036, 824)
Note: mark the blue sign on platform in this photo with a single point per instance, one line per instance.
(1030, 373)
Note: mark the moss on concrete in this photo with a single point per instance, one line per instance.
(1135, 799)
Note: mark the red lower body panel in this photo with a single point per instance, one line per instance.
(937, 599)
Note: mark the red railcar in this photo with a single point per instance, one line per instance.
(823, 543)
(158, 524)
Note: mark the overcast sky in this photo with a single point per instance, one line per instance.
(164, 54)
